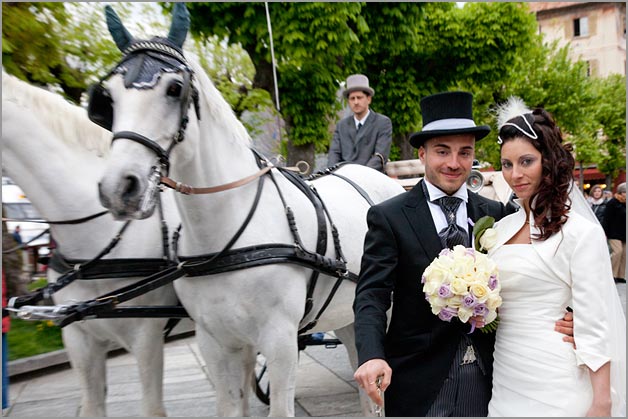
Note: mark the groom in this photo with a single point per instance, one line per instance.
(428, 367)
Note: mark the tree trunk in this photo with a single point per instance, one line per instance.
(407, 151)
(301, 153)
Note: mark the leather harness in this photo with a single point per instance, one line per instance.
(228, 259)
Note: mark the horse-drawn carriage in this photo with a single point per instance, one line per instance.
(261, 259)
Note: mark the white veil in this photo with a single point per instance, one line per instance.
(579, 204)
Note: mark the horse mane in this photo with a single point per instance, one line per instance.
(219, 109)
(67, 121)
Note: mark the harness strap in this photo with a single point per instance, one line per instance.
(357, 188)
(146, 142)
(321, 243)
(189, 190)
(23, 245)
(70, 276)
(109, 301)
(108, 268)
(62, 222)
(261, 255)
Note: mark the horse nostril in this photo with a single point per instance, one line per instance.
(131, 187)
(102, 196)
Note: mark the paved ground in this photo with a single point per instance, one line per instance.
(325, 385)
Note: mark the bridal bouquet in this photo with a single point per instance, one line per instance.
(464, 283)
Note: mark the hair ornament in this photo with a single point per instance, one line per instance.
(513, 108)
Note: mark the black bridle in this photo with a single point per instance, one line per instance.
(100, 110)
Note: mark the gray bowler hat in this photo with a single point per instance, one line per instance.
(358, 82)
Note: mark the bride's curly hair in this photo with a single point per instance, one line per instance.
(551, 200)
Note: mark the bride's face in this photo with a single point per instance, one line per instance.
(522, 167)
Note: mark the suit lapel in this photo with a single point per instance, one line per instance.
(420, 218)
(476, 208)
(350, 127)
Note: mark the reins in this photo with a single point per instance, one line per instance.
(33, 220)
(189, 190)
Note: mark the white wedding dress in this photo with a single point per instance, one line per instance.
(535, 373)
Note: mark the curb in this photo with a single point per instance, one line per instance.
(60, 357)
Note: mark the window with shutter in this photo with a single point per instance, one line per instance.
(581, 27)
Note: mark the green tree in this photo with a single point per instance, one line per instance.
(32, 51)
(311, 41)
(64, 46)
(418, 49)
(609, 111)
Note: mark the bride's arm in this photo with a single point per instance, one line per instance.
(601, 383)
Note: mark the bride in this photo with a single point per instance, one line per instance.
(552, 254)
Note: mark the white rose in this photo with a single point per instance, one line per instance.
(488, 239)
(458, 286)
(437, 303)
(464, 314)
(494, 300)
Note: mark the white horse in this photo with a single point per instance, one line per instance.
(51, 149)
(241, 312)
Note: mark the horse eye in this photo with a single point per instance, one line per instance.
(174, 90)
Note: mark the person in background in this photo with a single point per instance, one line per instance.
(364, 137)
(615, 229)
(6, 323)
(598, 202)
(16, 235)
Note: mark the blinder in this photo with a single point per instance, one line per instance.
(99, 106)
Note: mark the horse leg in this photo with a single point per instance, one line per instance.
(282, 358)
(346, 335)
(148, 349)
(88, 359)
(231, 371)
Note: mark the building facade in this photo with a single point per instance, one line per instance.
(596, 32)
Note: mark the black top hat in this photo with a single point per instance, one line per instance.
(447, 113)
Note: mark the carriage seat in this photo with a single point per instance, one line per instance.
(406, 172)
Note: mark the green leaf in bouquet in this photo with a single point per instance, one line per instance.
(480, 227)
(491, 327)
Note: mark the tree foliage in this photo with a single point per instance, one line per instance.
(408, 50)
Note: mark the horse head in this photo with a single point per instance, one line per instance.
(144, 101)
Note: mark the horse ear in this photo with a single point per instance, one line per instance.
(120, 35)
(180, 24)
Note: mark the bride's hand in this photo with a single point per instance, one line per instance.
(600, 410)
(479, 321)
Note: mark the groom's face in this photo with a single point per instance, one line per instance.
(448, 160)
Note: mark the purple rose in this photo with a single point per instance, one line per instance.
(444, 291)
(470, 252)
(444, 252)
(480, 310)
(469, 301)
(492, 282)
(422, 279)
(447, 313)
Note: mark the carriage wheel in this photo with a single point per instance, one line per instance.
(261, 385)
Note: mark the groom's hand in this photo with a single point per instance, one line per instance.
(565, 326)
(368, 373)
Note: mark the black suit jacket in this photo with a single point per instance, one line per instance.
(400, 243)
